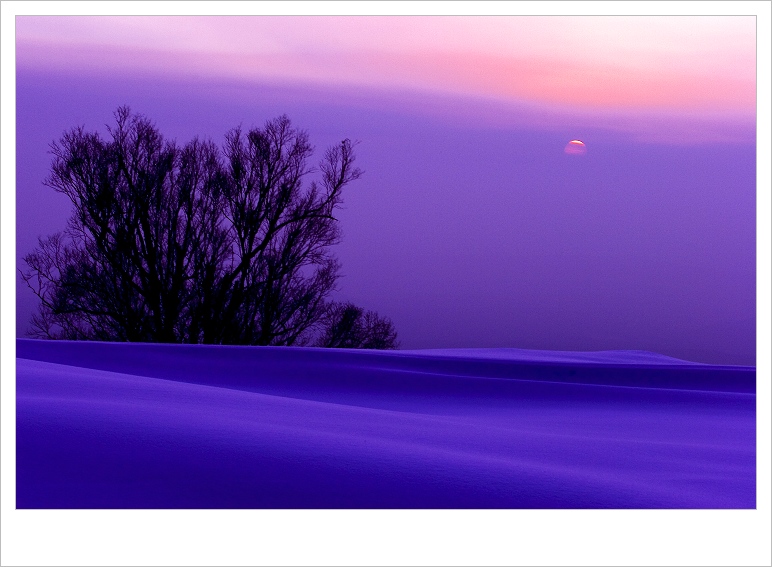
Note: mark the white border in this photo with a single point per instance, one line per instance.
(376, 537)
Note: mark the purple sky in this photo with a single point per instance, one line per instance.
(471, 227)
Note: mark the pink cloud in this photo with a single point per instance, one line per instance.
(553, 81)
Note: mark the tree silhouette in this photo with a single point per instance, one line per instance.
(192, 243)
(349, 326)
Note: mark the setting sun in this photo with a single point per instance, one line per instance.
(575, 147)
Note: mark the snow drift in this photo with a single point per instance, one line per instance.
(122, 425)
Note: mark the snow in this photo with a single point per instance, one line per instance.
(126, 425)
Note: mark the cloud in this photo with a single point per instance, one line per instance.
(688, 78)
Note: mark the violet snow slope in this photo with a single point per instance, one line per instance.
(126, 425)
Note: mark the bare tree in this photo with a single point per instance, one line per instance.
(190, 243)
(349, 326)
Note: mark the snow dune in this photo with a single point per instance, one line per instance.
(122, 425)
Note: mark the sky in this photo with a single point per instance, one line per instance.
(472, 226)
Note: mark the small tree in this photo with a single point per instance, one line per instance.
(190, 243)
(349, 326)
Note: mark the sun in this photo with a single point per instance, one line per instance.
(575, 148)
